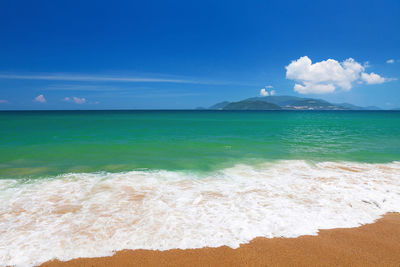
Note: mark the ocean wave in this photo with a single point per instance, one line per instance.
(94, 214)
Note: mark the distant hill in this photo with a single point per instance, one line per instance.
(350, 106)
(354, 107)
(251, 105)
(314, 104)
(372, 108)
(220, 105)
(278, 100)
(299, 103)
(286, 103)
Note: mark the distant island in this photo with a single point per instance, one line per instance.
(285, 103)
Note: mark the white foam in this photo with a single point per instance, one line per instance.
(90, 215)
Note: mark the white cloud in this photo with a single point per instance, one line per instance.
(2, 101)
(372, 78)
(264, 92)
(75, 99)
(328, 75)
(390, 61)
(40, 99)
(309, 88)
(78, 100)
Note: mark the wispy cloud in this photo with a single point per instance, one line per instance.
(76, 100)
(90, 78)
(3, 101)
(168, 95)
(109, 78)
(79, 87)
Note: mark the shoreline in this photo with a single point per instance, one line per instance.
(372, 244)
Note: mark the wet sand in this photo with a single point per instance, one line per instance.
(376, 244)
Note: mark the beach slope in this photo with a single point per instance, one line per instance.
(376, 244)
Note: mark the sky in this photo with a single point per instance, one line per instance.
(187, 54)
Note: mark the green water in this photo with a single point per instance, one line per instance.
(46, 143)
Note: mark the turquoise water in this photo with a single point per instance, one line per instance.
(44, 143)
(89, 183)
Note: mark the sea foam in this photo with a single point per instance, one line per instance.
(96, 214)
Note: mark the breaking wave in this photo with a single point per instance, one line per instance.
(95, 214)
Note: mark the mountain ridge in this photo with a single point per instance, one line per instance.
(285, 103)
(251, 105)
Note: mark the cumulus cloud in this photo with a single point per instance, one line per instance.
(390, 61)
(328, 75)
(310, 88)
(372, 78)
(75, 99)
(264, 92)
(40, 99)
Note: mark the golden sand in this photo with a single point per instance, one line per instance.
(376, 244)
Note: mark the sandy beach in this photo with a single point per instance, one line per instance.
(376, 244)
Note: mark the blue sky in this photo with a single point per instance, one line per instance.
(185, 54)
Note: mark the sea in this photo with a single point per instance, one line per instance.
(89, 183)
